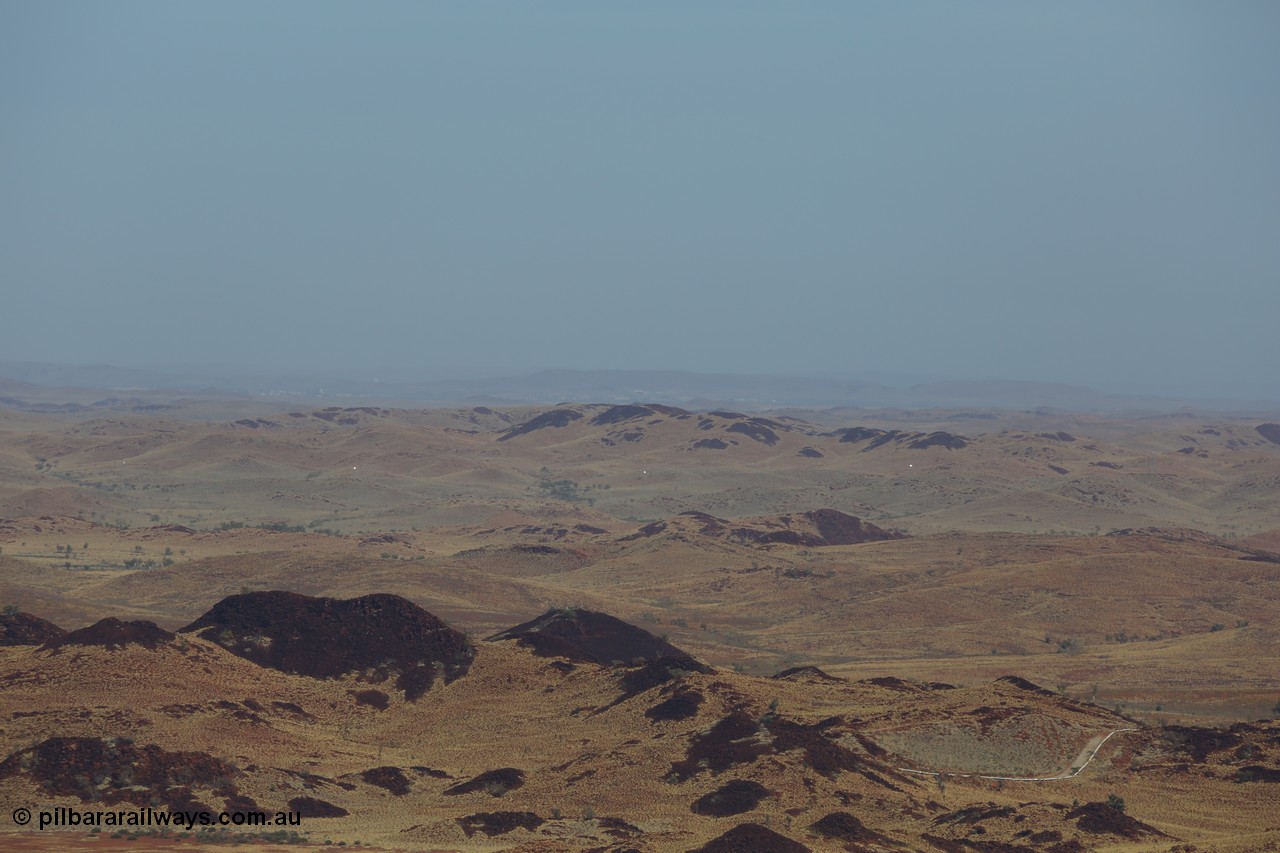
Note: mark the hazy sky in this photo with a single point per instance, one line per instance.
(1080, 192)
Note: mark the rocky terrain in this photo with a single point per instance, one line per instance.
(640, 627)
(578, 731)
(365, 469)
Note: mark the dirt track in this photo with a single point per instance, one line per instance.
(1081, 761)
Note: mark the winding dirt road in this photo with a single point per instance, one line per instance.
(1082, 761)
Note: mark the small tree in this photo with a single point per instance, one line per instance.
(1116, 802)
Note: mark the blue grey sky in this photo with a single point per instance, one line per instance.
(1083, 192)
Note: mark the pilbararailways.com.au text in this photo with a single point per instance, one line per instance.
(63, 816)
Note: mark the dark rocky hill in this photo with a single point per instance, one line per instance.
(111, 633)
(592, 637)
(328, 637)
(23, 629)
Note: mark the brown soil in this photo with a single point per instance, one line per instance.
(982, 590)
(970, 845)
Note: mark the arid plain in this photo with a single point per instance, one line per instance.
(835, 624)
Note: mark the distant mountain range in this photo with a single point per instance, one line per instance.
(22, 382)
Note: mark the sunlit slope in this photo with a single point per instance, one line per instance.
(366, 468)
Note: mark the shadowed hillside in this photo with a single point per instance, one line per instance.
(324, 637)
(978, 631)
(696, 759)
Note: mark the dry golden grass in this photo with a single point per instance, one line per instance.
(366, 469)
(1171, 627)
